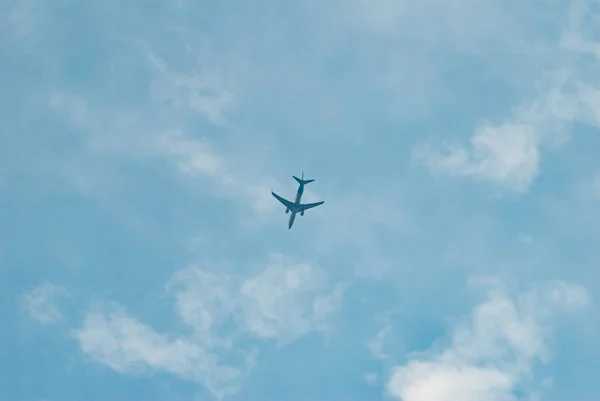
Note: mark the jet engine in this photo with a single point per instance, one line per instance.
(302, 213)
(287, 210)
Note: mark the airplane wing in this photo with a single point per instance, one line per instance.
(309, 206)
(285, 202)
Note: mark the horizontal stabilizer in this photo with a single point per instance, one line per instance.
(301, 181)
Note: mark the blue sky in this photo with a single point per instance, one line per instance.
(142, 256)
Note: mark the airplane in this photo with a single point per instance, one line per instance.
(296, 206)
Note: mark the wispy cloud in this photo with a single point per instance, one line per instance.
(140, 135)
(20, 19)
(287, 301)
(465, 25)
(283, 302)
(41, 303)
(166, 127)
(113, 338)
(184, 117)
(491, 356)
(371, 378)
(378, 344)
(205, 92)
(508, 154)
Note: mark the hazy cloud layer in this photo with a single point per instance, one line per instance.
(138, 137)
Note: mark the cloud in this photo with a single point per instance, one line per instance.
(507, 155)
(227, 314)
(287, 301)
(491, 356)
(371, 378)
(41, 304)
(165, 127)
(464, 24)
(284, 301)
(129, 346)
(167, 114)
(378, 343)
(204, 91)
(196, 158)
(139, 135)
(422, 38)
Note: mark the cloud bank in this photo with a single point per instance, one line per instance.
(492, 356)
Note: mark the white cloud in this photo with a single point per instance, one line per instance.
(287, 301)
(507, 155)
(493, 354)
(129, 346)
(41, 304)
(204, 301)
(283, 302)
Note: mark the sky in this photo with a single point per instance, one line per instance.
(455, 143)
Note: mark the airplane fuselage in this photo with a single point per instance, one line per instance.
(296, 206)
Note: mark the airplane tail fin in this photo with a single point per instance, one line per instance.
(302, 181)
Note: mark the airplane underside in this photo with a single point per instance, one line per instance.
(297, 207)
